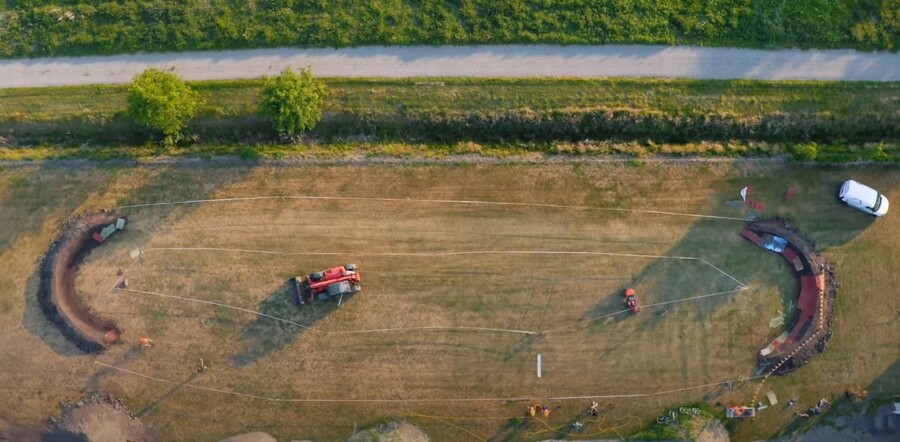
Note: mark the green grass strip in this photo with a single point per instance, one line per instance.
(73, 27)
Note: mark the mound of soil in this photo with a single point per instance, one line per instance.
(98, 418)
(57, 296)
(391, 432)
(256, 436)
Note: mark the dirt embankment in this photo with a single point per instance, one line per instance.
(811, 336)
(58, 297)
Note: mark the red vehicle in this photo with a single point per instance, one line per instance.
(631, 301)
(332, 283)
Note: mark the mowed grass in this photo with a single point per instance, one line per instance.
(240, 98)
(851, 121)
(698, 342)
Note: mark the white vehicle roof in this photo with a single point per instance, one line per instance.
(862, 192)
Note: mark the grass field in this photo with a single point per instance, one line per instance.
(42, 27)
(849, 121)
(696, 342)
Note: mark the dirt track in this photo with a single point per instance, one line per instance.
(467, 61)
(57, 294)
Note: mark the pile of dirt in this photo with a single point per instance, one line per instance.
(57, 296)
(391, 432)
(814, 339)
(99, 418)
(256, 436)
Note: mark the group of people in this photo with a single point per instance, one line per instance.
(545, 411)
(817, 409)
(538, 408)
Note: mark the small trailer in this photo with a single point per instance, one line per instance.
(741, 412)
(108, 231)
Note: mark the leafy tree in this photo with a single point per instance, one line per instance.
(163, 101)
(293, 102)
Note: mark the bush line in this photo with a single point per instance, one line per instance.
(818, 137)
(623, 124)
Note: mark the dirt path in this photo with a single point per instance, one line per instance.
(468, 61)
(58, 297)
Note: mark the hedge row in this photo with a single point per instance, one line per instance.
(52, 27)
(493, 127)
(574, 125)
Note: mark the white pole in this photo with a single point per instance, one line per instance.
(539, 365)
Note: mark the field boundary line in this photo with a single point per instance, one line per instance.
(656, 304)
(439, 327)
(422, 254)
(741, 286)
(377, 330)
(723, 272)
(182, 298)
(674, 301)
(434, 327)
(421, 400)
(432, 201)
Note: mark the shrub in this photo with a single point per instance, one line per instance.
(806, 152)
(293, 103)
(162, 101)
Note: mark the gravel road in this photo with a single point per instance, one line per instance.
(467, 61)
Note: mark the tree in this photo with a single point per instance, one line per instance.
(163, 101)
(293, 102)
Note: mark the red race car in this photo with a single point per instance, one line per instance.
(631, 301)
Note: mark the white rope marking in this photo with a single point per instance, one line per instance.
(438, 327)
(434, 327)
(417, 254)
(432, 201)
(724, 273)
(586, 321)
(447, 328)
(321, 400)
(657, 304)
(124, 272)
(182, 298)
(741, 287)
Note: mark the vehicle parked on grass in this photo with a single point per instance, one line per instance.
(864, 198)
(332, 283)
(631, 301)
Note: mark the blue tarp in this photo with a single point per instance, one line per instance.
(776, 244)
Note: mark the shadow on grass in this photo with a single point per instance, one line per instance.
(123, 360)
(511, 430)
(120, 131)
(267, 335)
(42, 193)
(158, 401)
(816, 211)
(864, 419)
(63, 436)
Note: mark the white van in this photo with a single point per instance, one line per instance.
(863, 197)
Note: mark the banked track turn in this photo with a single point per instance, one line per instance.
(57, 294)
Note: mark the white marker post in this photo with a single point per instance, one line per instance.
(539, 365)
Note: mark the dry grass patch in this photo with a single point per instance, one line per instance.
(699, 342)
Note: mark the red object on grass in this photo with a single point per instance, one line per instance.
(631, 301)
(789, 193)
(755, 205)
